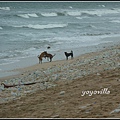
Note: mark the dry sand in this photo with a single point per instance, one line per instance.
(59, 94)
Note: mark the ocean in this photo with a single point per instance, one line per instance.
(28, 28)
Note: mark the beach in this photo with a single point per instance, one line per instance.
(86, 86)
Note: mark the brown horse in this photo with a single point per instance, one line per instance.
(43, 54)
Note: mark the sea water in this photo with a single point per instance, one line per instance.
(28, 28)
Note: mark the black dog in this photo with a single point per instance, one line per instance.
(69, 54)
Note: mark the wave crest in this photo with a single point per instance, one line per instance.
(1, 28)
(4, 8)
(49, 14)
(28, 15)
(94, 34)
(43, 26)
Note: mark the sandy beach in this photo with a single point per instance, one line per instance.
(84, 87)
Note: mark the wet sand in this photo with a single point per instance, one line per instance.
(11, 69)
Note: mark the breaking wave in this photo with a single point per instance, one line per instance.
(115, 21)
(1, 28)
(4, 8)
(77, 13)
(27, 15)
(37, 26)
(49, 14)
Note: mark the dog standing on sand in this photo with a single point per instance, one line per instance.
(43, 54)
(50, 56)
(69, 54)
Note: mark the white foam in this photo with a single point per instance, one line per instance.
(23, 15)
(10, 61)
(33, 15)
(49, 14)
(101, 12)
(28, 15)
(116, 21)
(103, 5)
(1, 28)
(97, 12)
(4, 8)
(70, 7)
(37, 26)
(74, 13)
(46, 26)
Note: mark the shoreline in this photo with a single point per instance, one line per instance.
(53, 68)
(59, 87)
(10, 69)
